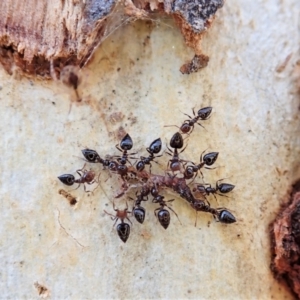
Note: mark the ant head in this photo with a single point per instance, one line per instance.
(123, 230)
(139, 214)
(145, 191)
(176, 141)
(201, 188)
(126, 143)
(204, 112)
(158, 199)
(164, 218)
(140, 166)
(122, 169)
(67, 179)
(189, 172)
(90, 155)
(226, 217)
(154, 192)
(210, 158)
(155, 146)
(113, 166)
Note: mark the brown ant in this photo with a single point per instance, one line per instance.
(176, 142)
(208, 160)
(72, 200)
(206, 189)
(85, 177)
(154, 148)
(187, 126)
(123, 228)
(125, 145)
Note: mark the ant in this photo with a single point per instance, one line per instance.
(154, 148)
(85, 177)
(176, 142)
(220, 214)
(93, 157)
(187, 126)
(123, 228)
(72, 200)
(206, 189)
(125, 145)
(208, 160)
(139, 211)
(162, 215)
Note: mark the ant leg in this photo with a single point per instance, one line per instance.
(201, 125)
(156, 210)
(170, 151)
(216, 198)
(172, 126)
(194, 177)
(115, 221)
(223, 195)
(188, 116)
(82, 169)
(97, 181)
(173, 211)
(112, 216)
(196, 218)
(77, 187)
(150, 166)
(201, 155)
(117, 146)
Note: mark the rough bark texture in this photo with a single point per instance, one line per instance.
(50, 247)
(34, 33)
(286, 243)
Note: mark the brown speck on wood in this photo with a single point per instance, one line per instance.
(42, 290)
(116, 117)
(197, 63)
(120, 133)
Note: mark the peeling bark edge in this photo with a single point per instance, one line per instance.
(35, 42)
(285, 242)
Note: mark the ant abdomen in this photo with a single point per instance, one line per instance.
(67, 179)
(90, 155)
(140, 166)
(123, 230)
(210, 158)
(176, 141)
(163, 217)
(225, 187)
(204, 112)
(226, 217)
(155, 146)
(126, 143)
(139, 214)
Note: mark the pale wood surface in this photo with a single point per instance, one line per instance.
(133, 82)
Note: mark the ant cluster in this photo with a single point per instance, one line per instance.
(178, 177)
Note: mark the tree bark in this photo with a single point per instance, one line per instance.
(132, 84)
